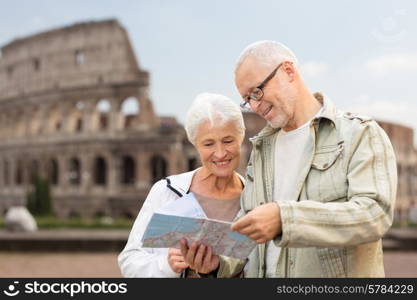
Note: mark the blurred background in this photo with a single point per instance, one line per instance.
(93, 96)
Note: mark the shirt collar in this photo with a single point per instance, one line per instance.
(329, 110)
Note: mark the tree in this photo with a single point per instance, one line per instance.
(39, 198)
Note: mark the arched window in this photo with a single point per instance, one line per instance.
(103, 107)
(75, 117)
(54, 119)
(100, 171)
(19, 172)
(75, 171)
(130, 108)
(33, 170)
(158, 167)
(79, 125)
(192, 164)
(53, 174)
(79, 57)
(128, 170)
(6, 172)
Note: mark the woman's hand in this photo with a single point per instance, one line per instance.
(199, 257)
(176, 260)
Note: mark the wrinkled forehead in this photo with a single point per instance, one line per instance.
(217, 128)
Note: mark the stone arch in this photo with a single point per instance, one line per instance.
(100, 171)
(20, 126)
(130, 109)
(128, 170)
(159, 167)
(53, 172)
(76, 121)
(19, 172)
(54, 120)
(33, 170)
(101, 118)
(6, 172)
(12, 118)
(192, 163)
(35, 121)
(79, 57)
(74, 171)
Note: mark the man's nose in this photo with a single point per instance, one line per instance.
(255, 105)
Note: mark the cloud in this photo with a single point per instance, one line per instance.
(384, 110)
(313, 68)
(393, 63)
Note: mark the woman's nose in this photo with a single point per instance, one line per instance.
(220, 152)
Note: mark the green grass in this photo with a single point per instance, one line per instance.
(80, 223)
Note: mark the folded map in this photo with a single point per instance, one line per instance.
(165, 231)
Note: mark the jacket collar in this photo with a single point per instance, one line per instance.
(181, 183)
(328, 112)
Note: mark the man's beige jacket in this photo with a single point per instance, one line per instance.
(345, 199)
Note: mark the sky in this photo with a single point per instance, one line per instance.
(361, 54)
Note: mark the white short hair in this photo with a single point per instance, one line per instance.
(267, 53)
(215, 108)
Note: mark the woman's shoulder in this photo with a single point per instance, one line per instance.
(180, 183)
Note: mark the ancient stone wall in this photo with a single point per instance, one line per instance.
(75, 109)
(406, 155)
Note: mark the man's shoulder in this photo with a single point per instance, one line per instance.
(353, 121)
(358, 117)
(353, 126)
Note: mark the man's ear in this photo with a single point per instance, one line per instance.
(289, 68)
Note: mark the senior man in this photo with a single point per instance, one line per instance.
(321, 184)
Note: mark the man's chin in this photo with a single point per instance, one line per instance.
(275, 124)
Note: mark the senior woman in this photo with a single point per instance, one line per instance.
(214, 125)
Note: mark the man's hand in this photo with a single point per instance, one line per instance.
(199, 257)
(262, 224)
(176, 260)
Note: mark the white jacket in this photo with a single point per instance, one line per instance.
(135, 261)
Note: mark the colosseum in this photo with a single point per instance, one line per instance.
(75, 110)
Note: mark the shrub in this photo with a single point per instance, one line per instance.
(39, 198)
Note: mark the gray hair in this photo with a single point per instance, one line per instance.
(215, 108)
(267, 53)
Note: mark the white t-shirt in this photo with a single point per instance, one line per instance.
(289, 149)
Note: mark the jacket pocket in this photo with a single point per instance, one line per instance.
(327, 179)
(326, 156)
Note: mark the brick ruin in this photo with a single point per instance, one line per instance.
(75, 109)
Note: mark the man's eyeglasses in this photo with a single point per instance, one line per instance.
(257, 93)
